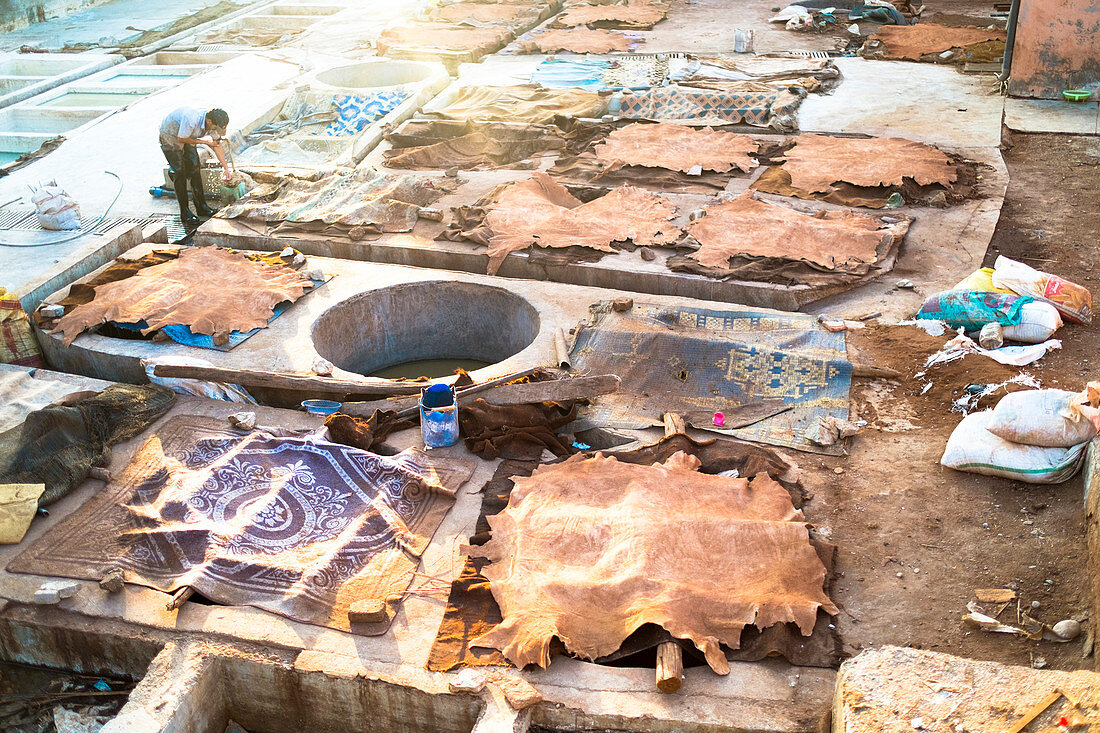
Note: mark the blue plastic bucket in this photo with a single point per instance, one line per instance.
(438, 416)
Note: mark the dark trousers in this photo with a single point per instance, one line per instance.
(184, 166)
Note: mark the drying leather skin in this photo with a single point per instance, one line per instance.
(444, 37)
(521, 103)
(483, 13)
(834, 240)
(679, 148)
(589, 550)
(618, 16)
(910, 42)
(577, 40)
(212, 290)
(816, 162)
(539, 211)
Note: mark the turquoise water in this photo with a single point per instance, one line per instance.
(7, 156)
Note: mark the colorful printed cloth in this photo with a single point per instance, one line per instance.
(298, 526)
(675, 104)
(354, 111)
(692, 361)
(17, 342)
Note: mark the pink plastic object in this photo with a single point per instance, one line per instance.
(719, 419)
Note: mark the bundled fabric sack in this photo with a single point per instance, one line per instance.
(56, 209)
(973, 448)
(972, 309)
(1038, 322)
(1051, 418)
(1072, 300)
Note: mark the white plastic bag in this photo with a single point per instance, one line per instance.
(973, 448)
(1038, 322)
(56, 209)
(1052, 418)
(197, 387)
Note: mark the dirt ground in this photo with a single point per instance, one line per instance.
(916, 539)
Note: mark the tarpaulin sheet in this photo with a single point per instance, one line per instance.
(298, 526)
(692, 360)
(591, 549)
(361, 198)
(209, 289)
(596, 74)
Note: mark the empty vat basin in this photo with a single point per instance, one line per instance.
(368, 74)
(425, 321)
(154, 76)
(41, 66)
(304, 9)
(107, 100)
(12, 83)
(36, 120)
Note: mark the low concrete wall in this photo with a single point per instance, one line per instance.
(15, 14)
(1057, 47)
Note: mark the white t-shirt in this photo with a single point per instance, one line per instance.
(183, 122)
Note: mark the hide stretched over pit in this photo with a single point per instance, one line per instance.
(694, 362)
(590, 550)
(295, 525)
(209, 289)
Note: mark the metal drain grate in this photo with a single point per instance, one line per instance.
(817, 54)
(26, 221)
(216, 48)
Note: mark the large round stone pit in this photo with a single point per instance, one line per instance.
(417, 322)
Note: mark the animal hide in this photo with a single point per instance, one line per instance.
(910, 42)
(521, 103)
(816, 162)
(589, 550)
(833, 240)
(212, 290)
(679, 148)
(611, 16)
(577, 40)
(541, 212)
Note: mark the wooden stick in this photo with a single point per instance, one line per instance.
(561, 351)
(179, 598)
(278, 380)
(1035, 711)
(674, 424)
(670, 666)
(869, 370)
(366, 409)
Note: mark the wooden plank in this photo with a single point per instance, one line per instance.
(1035, 711)
(279, 380)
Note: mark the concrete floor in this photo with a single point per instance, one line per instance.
(204, 663)
(105, 25)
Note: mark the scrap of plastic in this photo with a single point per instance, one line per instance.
(197, 387)
(961, 345)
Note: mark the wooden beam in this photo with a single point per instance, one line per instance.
(279, 380)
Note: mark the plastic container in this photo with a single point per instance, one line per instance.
(1076, 95)
(321, 407)
(438, 416)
